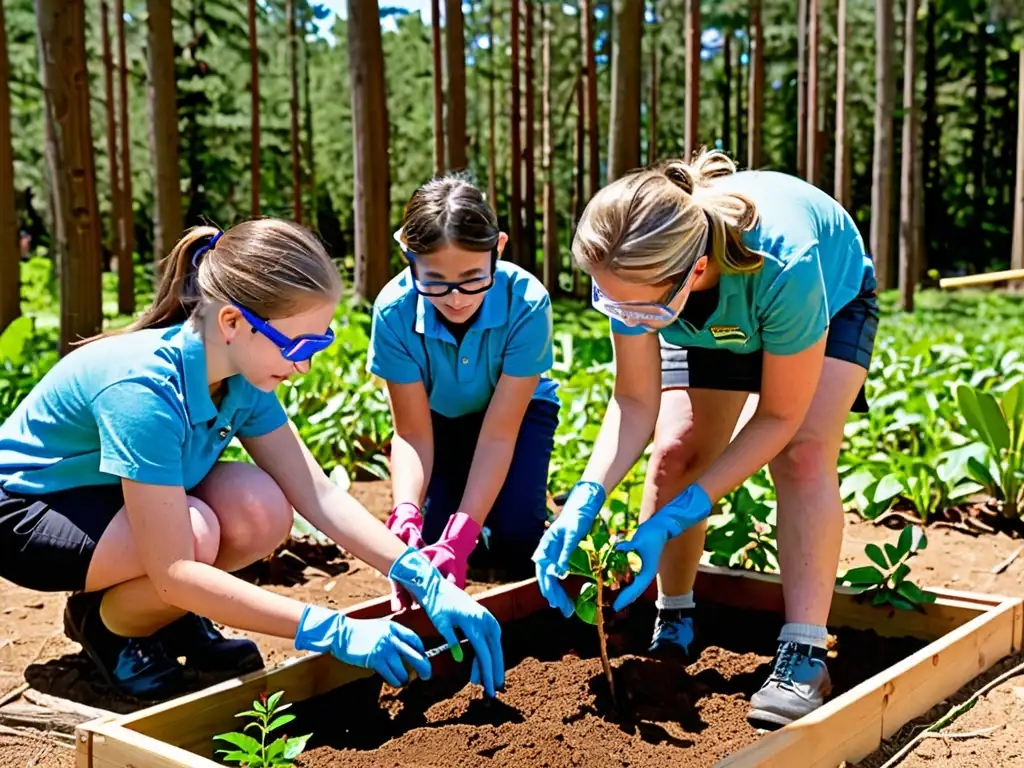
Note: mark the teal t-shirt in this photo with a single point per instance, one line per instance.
(134, 406)
(815, 264)
(511, 334)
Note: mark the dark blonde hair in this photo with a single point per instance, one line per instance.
(654, 223)
(449, 211)
(271, 267)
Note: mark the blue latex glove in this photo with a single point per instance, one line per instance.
(561, 539)
(379, 644)
(449, 608)
(684, 511)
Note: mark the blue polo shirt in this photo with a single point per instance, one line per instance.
(815, 263)
(134, 406)
(510, 334)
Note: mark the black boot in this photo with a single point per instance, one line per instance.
(207, 650)
(137, 666)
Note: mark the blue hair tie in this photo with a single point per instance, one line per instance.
(205, 248)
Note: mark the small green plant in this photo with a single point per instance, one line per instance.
(886, 581)
(257, 753)
(1000, 426)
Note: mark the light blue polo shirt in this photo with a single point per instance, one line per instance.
(511, 334)
(815, 264)
(134, 406)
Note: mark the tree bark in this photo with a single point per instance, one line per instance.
(624, 125)
(293, 79)
(455, 54)
(516, 201)
(930, 139)
(590, 69)
(61, 39)
(801, 88)
(435, 29)
(652, 113)
(841, 180)
(529, 153)
(813, 44)
(551, 251)
(125, 286)
(492, 171)
(692, 100)
(881, 181)
(727, 144)
(740, 135)
(254, 91)
(908, 274)
(127, 224)
(10, 249)
(1017, 252)
(313, 215)
(163, 128)
(370, 140)
(580, 166)
(755, 92)
(977, 165)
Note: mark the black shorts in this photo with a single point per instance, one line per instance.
(851, 337)
(47, 542)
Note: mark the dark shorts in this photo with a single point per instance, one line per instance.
(517, 519)
(47, 542)
(851, 337)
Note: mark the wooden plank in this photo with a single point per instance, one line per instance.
(116, 747)
(982, 279)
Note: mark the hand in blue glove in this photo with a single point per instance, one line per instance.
(684, 511)
(449, 608)
(561, 539)
(379, 644)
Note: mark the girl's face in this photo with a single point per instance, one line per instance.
(653, 306)
(259, 359)
(452, 264)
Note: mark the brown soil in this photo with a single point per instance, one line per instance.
(555, 710)
(19, 752)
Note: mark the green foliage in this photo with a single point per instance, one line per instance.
(742, 534)
(886, 581)
(266, 720)
(596, 558)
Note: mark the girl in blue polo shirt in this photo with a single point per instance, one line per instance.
(110, 484)
(462, 338)
(756, 282)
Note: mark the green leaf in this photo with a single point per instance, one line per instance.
(587, 545)
(874, 552)
(892, 553)
(586, 603)
(911, 591)
(881, 597)
(579, 563)
(897, 601)
(293, 747)
(273, 700)
(14, 338)
(234, 756)
(912, 539)
(240, 740)
(889, 487)
(249, 713)
(864, 576)
(280, 721)
(900, 574)
(982, 414)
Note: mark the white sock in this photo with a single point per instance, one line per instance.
(809, 634)
(674, 602)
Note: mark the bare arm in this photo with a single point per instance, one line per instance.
(788, 384)
(496, 444)
(412, 447)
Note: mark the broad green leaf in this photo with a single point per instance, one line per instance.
(900, 574)
(911, 591)
(864, 576)
(293, 747)
(240, 740)
(587, 545)
(276, 749)
(982, 414)
(881, 597)
(273, 700)
(234, 756)
(579, 563)
(14, 338)
(981, 473)
(897, 601)
(278, 722)
(874, 552)
(249, 713)
(889, 487)
(586, 603)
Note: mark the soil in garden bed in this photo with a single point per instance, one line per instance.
(556, 711)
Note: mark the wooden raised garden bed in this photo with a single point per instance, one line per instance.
(958, 637)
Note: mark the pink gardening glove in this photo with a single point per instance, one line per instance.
(451, 552)
(406, 523)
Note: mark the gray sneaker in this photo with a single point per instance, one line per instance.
(798, 684)
(673, 633)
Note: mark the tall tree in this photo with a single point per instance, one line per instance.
(10, 255)
(978, 135)
(125, 271)
(652, 110)
(515, 204)
(551, 251)
(930, 122)
(254, 93)
(801, 88)
(726, 88)
(69, 154)
(529, 153)
(692, 106)
(293, 108)
(313, 215)
(740, 132)
(841, 180)
(813, 46)
(624, 125)
(755, 91)
(370, 141)
(1017, 252)
(455, 61)
(590, 70)
(908, 152)
(492, 172)
(127, 225)
(435, 31)
(881, 178)
(163, 128)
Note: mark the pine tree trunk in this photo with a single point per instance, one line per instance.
(163, 129)
(908, 275)
(980, 126)
(125, 282)
(127, 225)
(740, 134)
(529, 154)
(455, 55)
(254, 91)
(313, 215)
(692, 101)
(930, 139)
(580, 287)
(624, 125)
(814, 30)
(293, 108)
(841, 180)
(652, 112)
(370, 141)
(727, 144)
(551, 250)
(435, 29)
(492, 171)
(1017, 252)
(755, 92)
(801, 88)
(10, 250)
(590, 68)
(881, 181)
(61, 38)
(516, 201)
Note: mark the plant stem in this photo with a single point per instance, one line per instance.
(600, 635)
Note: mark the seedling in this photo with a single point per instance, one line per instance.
(1000, 426)
(886, 581)
(252, 753)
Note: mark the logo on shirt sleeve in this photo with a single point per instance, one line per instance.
(728, 334)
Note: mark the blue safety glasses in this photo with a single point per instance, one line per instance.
(437, 288)
(297, 350)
